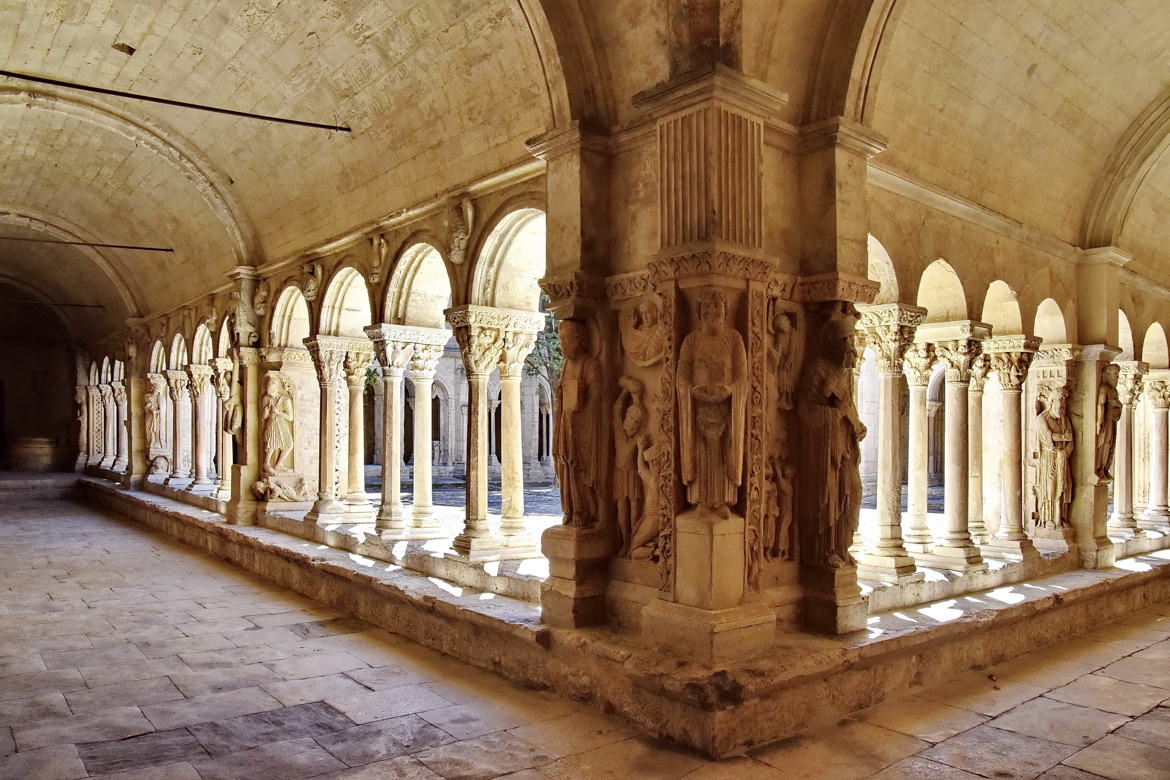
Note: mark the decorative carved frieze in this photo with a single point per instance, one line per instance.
(836, 287)
(710, 261)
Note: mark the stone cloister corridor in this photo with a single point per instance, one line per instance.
(574, 388)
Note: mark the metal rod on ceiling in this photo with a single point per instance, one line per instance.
(52, 303)
(89, 243)
(169, 102)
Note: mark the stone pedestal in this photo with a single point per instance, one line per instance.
(834, 604)
(574, 593)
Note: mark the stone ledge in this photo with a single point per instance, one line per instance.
(719, 710)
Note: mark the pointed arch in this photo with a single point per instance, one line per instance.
(1154, 347)
(1124, 336)
(1001, 310)
(1050, 323)
(940, 292)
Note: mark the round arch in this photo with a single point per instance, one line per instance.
(419, 289)
(179, 356)
(880, 268)
(511, 261)
(158, 358)
(1125, 337)
(940, 292)
(291, 323)
(223, 342)
(105, 375)
(1050, 323)
(201, 348)
(346, 310)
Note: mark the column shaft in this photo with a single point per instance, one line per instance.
(975, 522)
(918, 530)
(422, 513)
(511, 458)
(390, 516)
(476, 524)
(1157, 509)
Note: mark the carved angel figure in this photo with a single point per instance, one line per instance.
(1053, 487)
(1108, 413)
(277, 414)
(712, 394)
(578, 432)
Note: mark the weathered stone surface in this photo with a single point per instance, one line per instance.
(483, 757)
(384, 739)
(114, 723)
(278, 725)
(986, 750)
(210, 707)
(148, 750)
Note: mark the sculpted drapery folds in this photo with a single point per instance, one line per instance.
(640, 325)
(635, 472)
(277, 414)
(1053, 484)
(831, 497)
(578, 433)
(152, 406)
(1108, 414)
(712, 395)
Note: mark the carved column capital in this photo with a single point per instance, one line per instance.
(223, 369)
(200, 379)
(980, 367)
(424, 359)
(1011, 368)
(1130, 380)
(328, 358)
(119, 390)
(917, 364)
(889, 332)
(517, 346)
(178, 382)
(106, 392)
(357, 359)
(959, 356)
(482, 333)
(1157, 387)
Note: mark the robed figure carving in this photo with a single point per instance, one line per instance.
(829, 450)
(579, 433)
(712, 397)
(152, 410)
(1108, 414)
(277, 413)
(1054, 433)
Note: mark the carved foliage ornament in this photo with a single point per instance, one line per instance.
(1011, 368)
(890, 343)
(958, 355)
(918, 363)
(1158, 391)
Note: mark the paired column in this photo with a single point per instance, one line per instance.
(177, 383)
(424, 359)
(975, 521)
(917, 366)
(393, 355)
(956, 345)
(329, 359)
(357, 360)
(1010, 358)
(200, 383)
(1129, 386)
(517, 346)
(1157, 386)
(224, 381)
(122, 459)
(889, 332)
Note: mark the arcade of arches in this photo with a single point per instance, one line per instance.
(863, 308)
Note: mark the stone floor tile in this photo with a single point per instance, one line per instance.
(401, 768)
(1062, 772)
(384, 739)
(232, 656)
(213, 706)
(379, 705)
(226, 625)
(292, 692)
(922, 718)
(483, 757)
(1153, 728)
(1123, 759)
(637, 757)
(851, 749)
(277, 619)
(7, 744)
(262, 636)
(133, 693)
(185, 646)
(20, 686)
(97, 676)
(1159, 651)
(316, 665)
(114, 723)
(1042, 671)
(1086, 651)
(207, 681)
(742, 768)
(571, 734)
(389, 677)
(918, 768)
(20, 664)
(102, 639)
(161, 747)
(315, 629)
(464, 721)
(996, 753)
(1109, 694)
(289, 760)
(287, 723)
(51, 763)
(1144, 671)
(978, 693)
(1058, 721)
(43, 706)
(179, 771)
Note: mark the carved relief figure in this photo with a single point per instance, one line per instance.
(628, 417)
(244, 321)
(260, 300)
(151, 419)
(829, 446)
(1053, 485)
(277, 414)
(1108, 413)
(712, 393)
(643, 336)
(577, 435)
(782, 353)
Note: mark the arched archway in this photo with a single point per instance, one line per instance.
(291, 323)
(345, 310)
(940, 292)
(1125, 337)
(1155, 351)
(419, 289)
(1050, 323)
(511, 262)
(1001, 310)
(880, 268)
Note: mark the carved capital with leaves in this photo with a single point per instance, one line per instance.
(958, 355)
(918, 363)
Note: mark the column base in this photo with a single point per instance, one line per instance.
(1099, 553)
(1131, 530)
(178, 483)
(326, 510)
(475, 549)
(898, 569)
(1022, 547)
(1157, 519)
(574, 593)
(424, 524)
(833, 603)
(964, 559)
(392, 521)
(709, 635)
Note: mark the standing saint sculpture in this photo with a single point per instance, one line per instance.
(628, 417)
(152, 409)
(277, 413)
(829, 444)
(1108, 414)
(712, 395)
(578, 435)
(1053, 487)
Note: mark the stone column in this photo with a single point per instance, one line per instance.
(1157, 385)
(224, 386)
(200, 384)
(393, 355)
(889, 332)
(329, 360)
(917, 366)
(1010, 358)
(123, 433)
(357, 360)
(975, 522)
(96, 431)
(513, 532)
(1129, 387)
(81, 401)
(177, 382)
(106, 394)
(956, 345)
(424, 524)
(480, 333)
